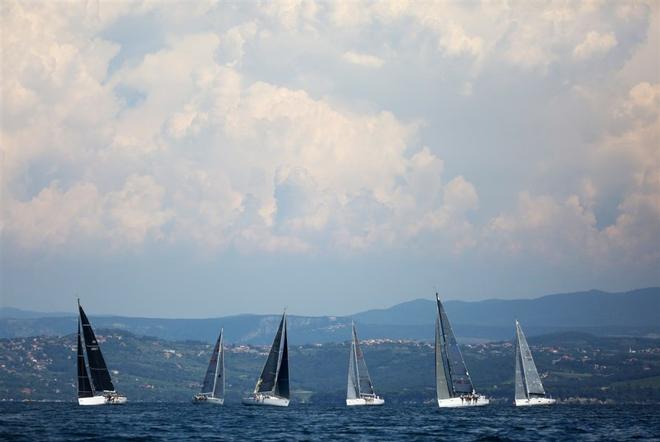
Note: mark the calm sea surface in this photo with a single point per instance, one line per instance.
(140, 421)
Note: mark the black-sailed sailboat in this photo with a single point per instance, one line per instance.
(94, 386)
(454, 386)
(213, 389)
(272, 387)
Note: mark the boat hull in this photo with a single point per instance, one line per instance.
(365, 401)
(458, 402)
(534, 401)
(103, 400)
(266, 400)
(208, 400)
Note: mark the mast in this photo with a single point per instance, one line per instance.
(97, 367)
(84, 386)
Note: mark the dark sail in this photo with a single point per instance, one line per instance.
(442, 386)
(84, 387)
(266, 382)
(98, 369)
(209, 378)
(365, 385)
(282, 386)
(460, 378)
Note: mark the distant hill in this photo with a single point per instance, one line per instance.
(633, 313)
(636, 308)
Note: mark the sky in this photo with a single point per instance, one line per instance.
(200, 159)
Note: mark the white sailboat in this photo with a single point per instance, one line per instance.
(360, 389)
(529, 389)
(213, 389)
(97, 389)
(273, 385)
(453, 383)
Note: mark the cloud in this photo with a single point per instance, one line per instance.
(595, 44)
(366, 60)
(81, 214)
(451, 130)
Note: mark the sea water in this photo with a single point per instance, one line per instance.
(182, 421)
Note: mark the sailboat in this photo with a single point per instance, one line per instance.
(272, 387)
(97, 390)
(213, 389)
(529, 389)
(360, 389)
(453, 383)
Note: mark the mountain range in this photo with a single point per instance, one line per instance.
(632, 313)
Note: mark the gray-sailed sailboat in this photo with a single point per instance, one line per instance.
(96, 389)
(360, 389)
(453, 383)
(213, 389)
(529, 389)
(273, 385)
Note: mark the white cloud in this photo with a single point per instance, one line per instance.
(366, 60)
(455, 41)
(595, 43)
(246, 131)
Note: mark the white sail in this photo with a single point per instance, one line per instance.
(520, 386)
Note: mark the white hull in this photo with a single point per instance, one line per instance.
(266, 400)
(208, 400)
(534, 401)
(458, 402)
(365, 401)
(103, 400)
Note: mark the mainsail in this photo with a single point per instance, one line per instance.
(526, 369)
(442, 384)
(451, 369)
(98, 369)
(274, 377)
(359, 381)
(353, 387)
(84, 387)
(282, 384)
(214, 378)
